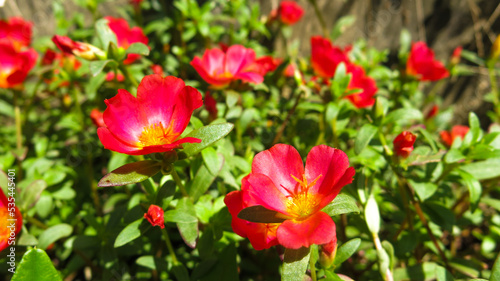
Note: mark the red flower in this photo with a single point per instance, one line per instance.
(362, 82)
(17, 31)
(325, 57)
(266, 64)
(261, 235)
(14, 65)
(279, 182)
(455, 57)
(432, 112)
(97, 118)
(126, 36)
(290, 12)
(11, 221)
(211, 105)
(220, 68)
(155, 216)
(421, 64)
(403, 144)
(79, 49)
(458, 131)
(157, 69)
(152, 122)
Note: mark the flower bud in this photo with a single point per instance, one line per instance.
(403, 144)
(79, 49)
(155, 216)
(327, 253)
(455, 57)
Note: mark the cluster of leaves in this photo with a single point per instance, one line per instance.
(433, 215)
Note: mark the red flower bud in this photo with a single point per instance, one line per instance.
(97, 118)
(155, 216)
(290, 12)
(79, 49)
(403, 144)
(327, 253)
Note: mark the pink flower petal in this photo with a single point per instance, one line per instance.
(279, 163)
(316, 229)
(113, 143)
(328, 165)
(260, 190)
(238, 58)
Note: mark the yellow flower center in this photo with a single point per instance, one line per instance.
(4, 73)
(156, 134)
(223, 75)
(301, 203)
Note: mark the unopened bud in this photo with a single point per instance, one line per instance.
(155, 216)
(79, 49)
(327, 253)
(495, 49)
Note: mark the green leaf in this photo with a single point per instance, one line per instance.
(131, 232)
(372, 215)
(105, 34)
(495, 272)
(260, 214)
(97, 66)
(483, 170)
(202, 180)
(454, 155)
(54, 233)
(295, 264)
(179, 216)
(364, 136)
(342, 204)
(208, 135)
(474, 187)
(188, 231)
(31, 193)
(131, 173)
(443, 275)
(402, 116)
(346, 250)
(341, 25)
(212, 160)
(340, 81)
(36, 265)
(424, 190)
(138, 48)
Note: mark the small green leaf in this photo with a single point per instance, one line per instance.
(179, 216)
(443, 275)
(342, 204)
(340, 81)
(295, 264)
(97, 66)
(260, 214)
(208, 135)
(31, 193)
(212, 160)
(36, 265)
(346, 250)
(54, 233)
(188, 231)
(105, 34)
(131, 173)
(474, 187)
(424, 190)
(495, 272)
(341, 25)
(402, 116)
(202, 180)
(131, 232)
(138, 48)
(364, 136)
(454, 155)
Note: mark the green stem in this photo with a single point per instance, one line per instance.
(320, 18)
(130, 78)
(178, 181)
(283, 126)
(78, 106)
(312, 266)
(169, 246)
(19, 134)
(387, 149)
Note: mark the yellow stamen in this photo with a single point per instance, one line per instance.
(156, 134)
(300, 203)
